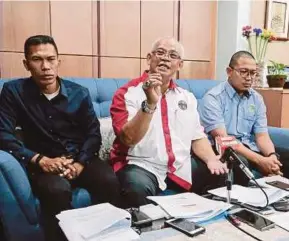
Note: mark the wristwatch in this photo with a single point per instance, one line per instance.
(274, 153)
(145, 107)
(38, 159)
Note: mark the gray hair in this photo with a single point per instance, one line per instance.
(179, 46)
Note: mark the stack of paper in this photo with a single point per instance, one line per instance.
(98, 222)
(190, 206)
(252, 196)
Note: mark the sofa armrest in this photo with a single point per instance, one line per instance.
(279, 136)
(18, 212)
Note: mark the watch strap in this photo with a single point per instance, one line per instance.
(274, 153)
(38, 159)
(145, 107)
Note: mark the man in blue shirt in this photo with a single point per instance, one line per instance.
(61, 134)
(234, 108)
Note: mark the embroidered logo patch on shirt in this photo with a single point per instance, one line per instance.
(252, 108)
(182, 105)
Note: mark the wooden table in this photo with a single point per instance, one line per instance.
(277, 103)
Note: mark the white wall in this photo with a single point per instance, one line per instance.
(232, 16)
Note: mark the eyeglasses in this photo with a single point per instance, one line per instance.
(160, 53)
(244, 73)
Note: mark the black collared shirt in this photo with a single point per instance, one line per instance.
(65, 125)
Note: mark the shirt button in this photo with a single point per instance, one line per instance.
(50, 117)
(23, 158)
(50, 130)
(10, 151)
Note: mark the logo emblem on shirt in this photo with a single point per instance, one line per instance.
(252, 108)
(182, 105)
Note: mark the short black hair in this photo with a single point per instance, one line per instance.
(236, 56)
(36, 40)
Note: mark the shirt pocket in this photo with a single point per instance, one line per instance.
(248, 122)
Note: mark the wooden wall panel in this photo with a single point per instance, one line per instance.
(120, 67)
(195, 70)
(120, 28)
(95, 67)
(119, 31)
(154, 25)
(143, 65)
(71, 26)
(21, 20)
(196, 26)
(95, 28)
(76, 66)
(12, 66)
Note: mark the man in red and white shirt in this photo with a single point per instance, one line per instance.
(157, 125)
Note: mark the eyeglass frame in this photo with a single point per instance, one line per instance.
(247, 71)
(166, 53)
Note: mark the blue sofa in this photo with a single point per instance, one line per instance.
(19, 208)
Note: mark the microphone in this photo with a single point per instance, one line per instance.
(231, 155)
(222, 143)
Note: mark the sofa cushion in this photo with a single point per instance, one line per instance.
(108, 136)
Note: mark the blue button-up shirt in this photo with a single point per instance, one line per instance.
(65, 125)
(241, 116)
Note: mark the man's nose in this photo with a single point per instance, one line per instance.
(45, 65)
(166, 57)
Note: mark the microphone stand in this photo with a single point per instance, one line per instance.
(229, 180)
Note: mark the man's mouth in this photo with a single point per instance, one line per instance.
(247, 85)
(47, 76)
(163, 66)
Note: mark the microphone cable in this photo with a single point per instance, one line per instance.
(230, 153)
(231, 221)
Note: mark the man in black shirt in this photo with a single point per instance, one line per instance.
(61, 134)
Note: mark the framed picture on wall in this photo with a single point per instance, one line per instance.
(277, 17)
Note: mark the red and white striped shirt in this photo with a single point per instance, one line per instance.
(165, 148)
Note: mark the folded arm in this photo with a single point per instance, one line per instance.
(8, 120)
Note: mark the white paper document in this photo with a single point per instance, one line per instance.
(98, 222)
(190, 206)
(262, 181)
(252, 196)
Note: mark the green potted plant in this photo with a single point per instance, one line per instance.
(276, 75)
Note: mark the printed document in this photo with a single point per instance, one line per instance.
(252, 196)
(191, 206)
(98, 222)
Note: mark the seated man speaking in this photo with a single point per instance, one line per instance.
(157, 125)
(61, 135)
(234, 108)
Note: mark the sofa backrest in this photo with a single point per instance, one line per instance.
(103, 89)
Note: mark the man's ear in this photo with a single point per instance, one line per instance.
(25, 64)
(229, 71)
(149, 57)
(181, 64)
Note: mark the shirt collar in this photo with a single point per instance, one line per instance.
(172, 85)
(232, 92)
(35, 88)
(63, 89)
